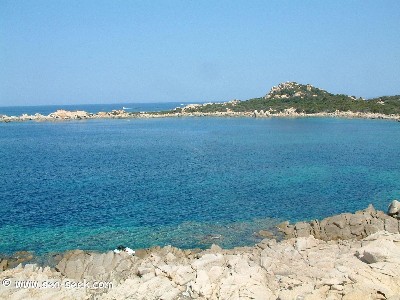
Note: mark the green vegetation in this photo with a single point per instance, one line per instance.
(304, 98)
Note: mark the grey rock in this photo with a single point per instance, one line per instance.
(357, 219)
(370, 210)
(392, 225)
(378, 223)
(302, 229)
(358, 230)
(79, 265)
(340, 221)
(394, 208)
(332, 232)
(381, 215)
(371, 229)
(344, 226)
(74, 268)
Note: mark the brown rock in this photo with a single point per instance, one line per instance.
(315, 229)
(3, 264)
(19, 257)
(288, 230)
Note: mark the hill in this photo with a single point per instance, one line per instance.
(302, 98)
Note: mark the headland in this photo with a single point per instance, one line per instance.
(287, 100)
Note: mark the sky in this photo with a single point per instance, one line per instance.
(78, 52)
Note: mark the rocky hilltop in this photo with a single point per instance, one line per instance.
(289, 89)
(355, 264)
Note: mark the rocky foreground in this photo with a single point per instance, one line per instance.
(361, 261)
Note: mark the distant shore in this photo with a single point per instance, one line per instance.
(64, 115)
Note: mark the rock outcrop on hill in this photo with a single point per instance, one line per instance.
(289, 89)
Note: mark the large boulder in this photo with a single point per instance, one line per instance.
(394, 208)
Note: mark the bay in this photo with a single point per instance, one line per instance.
(188, 182)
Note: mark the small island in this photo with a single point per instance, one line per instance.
(288, 99)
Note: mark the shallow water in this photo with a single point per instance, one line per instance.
(188, 182)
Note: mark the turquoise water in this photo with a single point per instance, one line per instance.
(185, 181)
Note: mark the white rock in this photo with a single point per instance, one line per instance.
(208, 260)
(380, 251)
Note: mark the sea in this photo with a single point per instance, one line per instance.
(91, 108)
(187, 182)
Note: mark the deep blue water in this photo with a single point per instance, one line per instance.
(100, 183)
(92, 108)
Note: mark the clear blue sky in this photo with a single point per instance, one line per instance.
(69, 52)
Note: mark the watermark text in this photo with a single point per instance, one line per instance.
(55, 284)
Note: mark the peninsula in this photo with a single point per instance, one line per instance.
(289, 99)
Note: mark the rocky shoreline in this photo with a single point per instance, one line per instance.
(348, 256)
(347, 226)
(64, 115)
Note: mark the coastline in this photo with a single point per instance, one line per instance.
(357, 259)
(63, 115)
(346, 256)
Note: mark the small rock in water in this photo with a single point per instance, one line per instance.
(265, 234)
(19, 257)
(210, 238)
